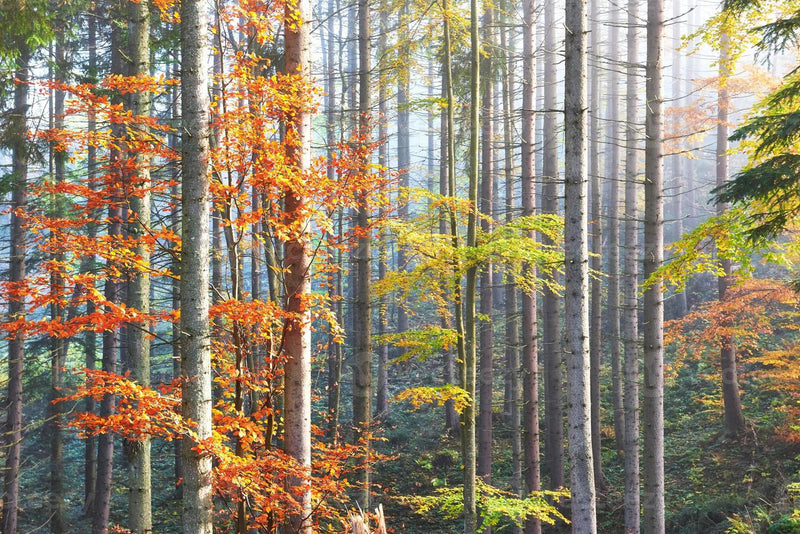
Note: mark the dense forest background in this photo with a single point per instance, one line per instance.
(477, 266)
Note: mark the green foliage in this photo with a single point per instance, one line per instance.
(723, 237)
(770, 181)
(495, 506)
(422, 343)
(785, 525)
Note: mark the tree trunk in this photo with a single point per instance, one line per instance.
(105, 444)
(653, 316)
(551, 353)
(447, 188)
(195, 332)
(403, 154)
(614, 176)
(335, 289)
(596, 245)
(734, 418)
(678, 160)
(630, 283)
(362, 364)
(137, 452)
(17, 127)
(576, 270)
(512, 372)
(297, 258)
(58, 346)
(486, 290)
(468, 367)
(530, 348)
(90, 339)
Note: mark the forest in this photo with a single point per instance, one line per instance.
(408, 266)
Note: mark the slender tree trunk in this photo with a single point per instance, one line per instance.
(653, 315)
(576, 287)
(614, 175)
(112, 290)
(468, 367)
(335, 289)
(486, 334)
(195, 329)
(16, 306)
(403, 153)
(596, 246)
(678, 160)
(530, 348)
(630, 283)
(362, 364)
(734, 418)
(551, 354)
(297, 257)
(90, 340)
(512, 373)
(446, 188)
(137, 452)
(58, 346)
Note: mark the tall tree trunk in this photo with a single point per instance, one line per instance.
(447, 188)
(468, 367)
(16, 306)
(403, 153)
(653, 315)
(335, 289)
(195, 329)
(362, 364)
(614, 175)
(596, 245)
(678, 160)
(297, 258)
(734, 418)
(576, 270)
(58, 346)
(112, 290)
(512, 372)
(630, 283)
(530, 348)
(90, 339)
(486, 333)
(137, 452)
(551, 353)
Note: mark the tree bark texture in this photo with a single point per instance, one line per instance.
(653, 315)
(297, 261)
(576, 257)
(195, 329)
(551, 336)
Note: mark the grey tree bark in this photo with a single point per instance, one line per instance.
(551, 336)
(195, 339)
(630, 282)
(486, 329)
(512, 341)
(614, 176)
(653, 314)
(362, 362)
(576, 270)
(137, 452)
